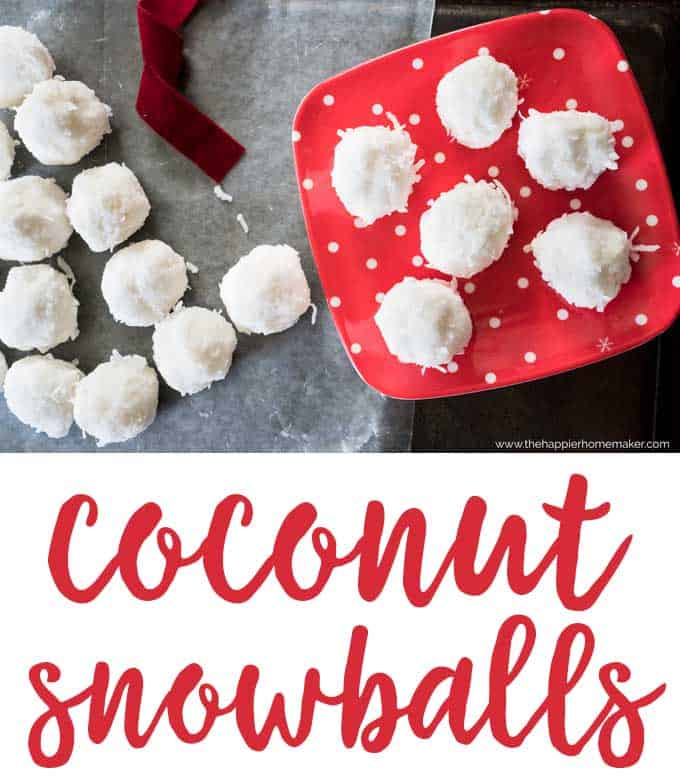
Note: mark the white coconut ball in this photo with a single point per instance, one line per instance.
(3, 370)
(39, 391)
(424, 322)
(467, 228)
(585, 259)
(33, 220)
(24, 62)
(566, 149)
(62, 121)
(118, 400)
(266, 291)
(193, 348)
(477, 100)
(7, 151)
(37, 309)
(107, 205)
(143, 282)
(374, 170)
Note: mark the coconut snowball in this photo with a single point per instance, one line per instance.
(33, 220)
(6, 152)
(374, 170)
(143, 282)
(37, 309)
(477, 100)
(62, 121)
(467, 228)
(3, 370)
(424, 322)
(266, 291)
(24, 62)
(118, 400)
(39, 392)
(566, 149)
(192, 348)
(107, 205)
(584, 259)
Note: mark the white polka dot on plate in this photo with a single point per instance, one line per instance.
(483, 51)
(469, 287)
(371, 263)
(355, 348)
(400, 230)
(525, 191)
(359, 223)
(676, 282)
(452, 367)
(622, 66)
(440, 157)
(641, 319)
(617, 125)
(575, 204)
(572, 104)
(627, 142)
(414, 119)
(380, 297)
(522, 282)
(335, 302)
(493, 172)
(530, 357)
(641, 184)
(328, 99)
(296, 136)
(527, 248)
(417, 261)
(417, 63)
(377, 109)
(563, 314)
(333, 247)
(494, 322)
(652, 220)
(490, 378)
(559, 54)
(308, 184)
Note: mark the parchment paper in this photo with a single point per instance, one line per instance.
(250, 64)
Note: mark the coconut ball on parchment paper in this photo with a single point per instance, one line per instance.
(266, 291)
(424, 322)
(33, 220)
(374, 170)
(107, 206)
(193, 348)
(477, 100)
(143, 282)
(37, 309)
(7, 151)
(39, 391)
(566, 149)
(585, 259)
(118, 400)
(62, 121)
(467, 228)
(24, 62)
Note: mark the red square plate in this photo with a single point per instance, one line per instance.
(523, 329)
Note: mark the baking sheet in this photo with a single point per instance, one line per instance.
(250, 62)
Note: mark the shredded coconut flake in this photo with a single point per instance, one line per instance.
(315, 312)
(192, 268)
(220, 194)
(244, 224)
(66, 269)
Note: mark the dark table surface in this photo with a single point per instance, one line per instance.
(629, 397)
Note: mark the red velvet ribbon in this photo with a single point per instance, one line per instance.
(159, 101)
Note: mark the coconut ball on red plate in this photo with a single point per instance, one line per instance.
(585, 259)
(107, 206)
(467, 228)
(143, 282)
(24, 62)
(566, 149)
(62, 121)
(37, 309)
(374, 170)
(424, 322)
(7, 151)
(266, 291)
(193, 348)
(477, 100)
(118, 400)
(33, 220)
(39, 391)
